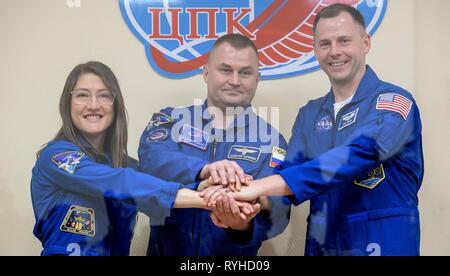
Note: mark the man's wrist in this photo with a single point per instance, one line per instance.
(242, 227)
(239, 236)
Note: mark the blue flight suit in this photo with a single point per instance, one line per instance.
(87, 207)
(362, 171)
(190, 232)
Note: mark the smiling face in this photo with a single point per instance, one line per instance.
(341, 45)
(91, 118)
(231, 76)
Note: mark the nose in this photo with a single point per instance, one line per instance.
(234, 79)
(93, 102)
(335, 49)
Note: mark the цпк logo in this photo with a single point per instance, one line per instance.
(178, 34)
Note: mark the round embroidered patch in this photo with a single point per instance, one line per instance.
(157, 134)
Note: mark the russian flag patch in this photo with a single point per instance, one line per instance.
(278, 155)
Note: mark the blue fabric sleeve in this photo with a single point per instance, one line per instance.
(151, 195)
(382, 136)
(295, 149)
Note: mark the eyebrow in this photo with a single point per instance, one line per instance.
(229, 66)
(339, 37)
(322, 40)
(224, 65)
(87, 90)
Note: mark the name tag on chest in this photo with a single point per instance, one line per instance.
(348, 119)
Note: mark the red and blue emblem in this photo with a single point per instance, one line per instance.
(194, 137)
(178, 34)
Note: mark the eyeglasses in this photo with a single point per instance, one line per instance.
(104, 97)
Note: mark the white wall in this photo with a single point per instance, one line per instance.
(41, 41)
(432, 84)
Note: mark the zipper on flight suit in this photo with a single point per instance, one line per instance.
(212, 155)
(334, 193)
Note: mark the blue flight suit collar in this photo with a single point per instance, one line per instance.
(366, 87)
(101, 158)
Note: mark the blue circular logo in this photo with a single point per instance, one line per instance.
(178, 34)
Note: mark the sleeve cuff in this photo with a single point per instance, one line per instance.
(288, 176)
(193, 186)
(241, 237)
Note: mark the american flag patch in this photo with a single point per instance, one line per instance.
(394, 102)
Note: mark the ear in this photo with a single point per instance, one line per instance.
(367, 44)
(258, 77)
(205, 73)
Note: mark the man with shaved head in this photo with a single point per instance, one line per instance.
(224, 140)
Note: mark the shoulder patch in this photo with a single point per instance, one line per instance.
(251, 154)
(373, 178)
(394, 102)
(157, 134)
(159, 119)
(79, 220)
(278, 155)
(68, 161)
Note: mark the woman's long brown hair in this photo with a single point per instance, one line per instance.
(117, 134)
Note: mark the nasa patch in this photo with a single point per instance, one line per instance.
(178, 34)
(324, 125)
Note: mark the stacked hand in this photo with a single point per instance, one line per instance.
(226, 173)
(222, 178)
(233, 214)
